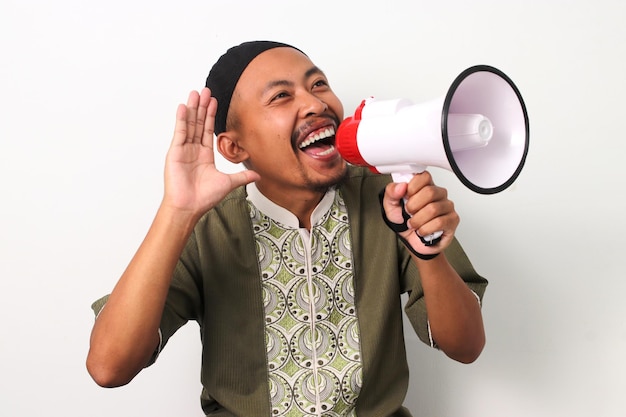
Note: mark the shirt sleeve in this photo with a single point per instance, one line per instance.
(183, 301)
(415, 306)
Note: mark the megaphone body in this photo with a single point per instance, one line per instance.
(479, 130)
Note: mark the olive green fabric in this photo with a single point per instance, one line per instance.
(217, 283)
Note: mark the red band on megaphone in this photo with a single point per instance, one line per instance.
(346, 138)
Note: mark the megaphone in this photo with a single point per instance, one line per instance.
(479, 130)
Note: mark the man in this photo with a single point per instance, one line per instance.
(288, 266)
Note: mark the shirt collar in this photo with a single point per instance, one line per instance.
(281, 214)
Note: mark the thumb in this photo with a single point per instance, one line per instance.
(393, 201)
(243, 177)
(397, 191)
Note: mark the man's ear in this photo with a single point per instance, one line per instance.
(228, 146)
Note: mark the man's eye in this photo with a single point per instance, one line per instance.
(320, 83)
(280, 95)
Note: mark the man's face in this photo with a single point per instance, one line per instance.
(285, 117)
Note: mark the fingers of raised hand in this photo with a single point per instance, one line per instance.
(195, 120)
(201, 109)
(201, 112)
(193, 102)
(209, 120)
(180, 129)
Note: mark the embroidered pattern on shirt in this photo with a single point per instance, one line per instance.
(311, 329)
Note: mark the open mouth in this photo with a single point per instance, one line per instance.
(321, 143)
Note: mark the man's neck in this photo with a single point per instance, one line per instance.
(301, 202)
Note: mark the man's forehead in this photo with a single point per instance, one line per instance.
(286, 82)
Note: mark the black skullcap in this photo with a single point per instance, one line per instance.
(226, 72)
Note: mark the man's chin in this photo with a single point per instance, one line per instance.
(331, 179)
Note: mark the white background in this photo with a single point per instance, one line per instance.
(87, 103)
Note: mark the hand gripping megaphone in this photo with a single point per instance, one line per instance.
(479, 130)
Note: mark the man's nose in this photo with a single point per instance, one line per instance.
(312, 105)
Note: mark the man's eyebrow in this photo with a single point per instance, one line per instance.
(286, 83)
(277, 83)
(313, 71)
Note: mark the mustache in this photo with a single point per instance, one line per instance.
(302, 129)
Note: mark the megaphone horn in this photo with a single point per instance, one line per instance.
(479, 130)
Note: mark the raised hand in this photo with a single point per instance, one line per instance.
(126, 331)
(192, 182)
(430, 211)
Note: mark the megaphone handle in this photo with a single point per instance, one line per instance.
(428, 240)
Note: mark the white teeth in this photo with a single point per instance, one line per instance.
(328, 132)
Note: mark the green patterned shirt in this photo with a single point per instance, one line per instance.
(276, 308)
(311, 327)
